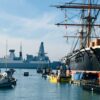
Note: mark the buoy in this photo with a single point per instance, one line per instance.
(26, 73)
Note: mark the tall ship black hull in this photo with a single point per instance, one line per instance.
(84, 60)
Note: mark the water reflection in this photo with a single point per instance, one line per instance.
(34, 87)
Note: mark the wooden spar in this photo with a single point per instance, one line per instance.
(79, 36)
(88, 20)
(73, 6)
(78, 24)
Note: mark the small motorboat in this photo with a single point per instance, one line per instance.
(39, 70)
(60, 76)
(56, 79)
(6, 79)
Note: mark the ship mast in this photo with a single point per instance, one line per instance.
(87, 21)
(6, 54)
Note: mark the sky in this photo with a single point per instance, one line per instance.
(30, 22)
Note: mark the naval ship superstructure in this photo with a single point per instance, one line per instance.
(11, 61)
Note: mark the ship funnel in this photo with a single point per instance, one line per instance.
(12, 55)
(41, 50)
(20, 53)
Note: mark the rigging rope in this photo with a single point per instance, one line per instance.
(73, 1)
(76, 44)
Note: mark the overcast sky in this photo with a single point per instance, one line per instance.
(30, 22)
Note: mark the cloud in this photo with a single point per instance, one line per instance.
(54, 50)
(31, 31)
(23, 29)
(20, 26)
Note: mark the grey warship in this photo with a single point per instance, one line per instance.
(11, 61)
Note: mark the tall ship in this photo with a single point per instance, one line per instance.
(11, 61)
(85, 54)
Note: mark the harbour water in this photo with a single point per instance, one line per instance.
(34, 87)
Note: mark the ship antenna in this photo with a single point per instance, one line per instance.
(21, 47)
(6, 53)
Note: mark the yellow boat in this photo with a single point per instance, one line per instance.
(53, 79)
(56, 79)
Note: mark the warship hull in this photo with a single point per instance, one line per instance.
(24, 65)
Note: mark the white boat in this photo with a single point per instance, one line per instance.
(7, 79)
